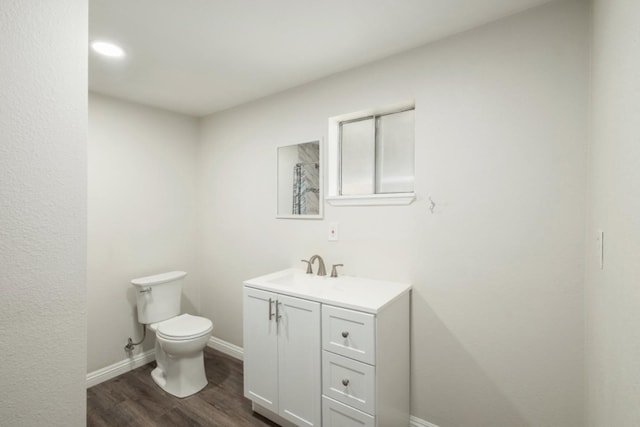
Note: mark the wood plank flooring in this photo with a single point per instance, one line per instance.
(133, 399)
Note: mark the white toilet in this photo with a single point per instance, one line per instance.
(180, 338)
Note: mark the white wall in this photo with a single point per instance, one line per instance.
(497, 315)
(142, 216)
(613, 294)
(43, 113)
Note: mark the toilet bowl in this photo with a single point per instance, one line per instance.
(180, 342)
(180, 338)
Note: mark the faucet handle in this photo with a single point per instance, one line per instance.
(309, 269)
(334, 271)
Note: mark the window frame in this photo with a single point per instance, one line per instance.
(334, 148)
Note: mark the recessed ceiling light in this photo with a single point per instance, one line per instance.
(107, 49)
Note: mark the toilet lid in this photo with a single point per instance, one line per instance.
(184, 326)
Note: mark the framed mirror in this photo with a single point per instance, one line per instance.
(300, 181)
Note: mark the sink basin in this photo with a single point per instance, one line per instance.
(293, 278)
(355, 292)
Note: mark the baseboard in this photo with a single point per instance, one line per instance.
(141, 359)
(417, 422)
(119, 368)
(226, 347)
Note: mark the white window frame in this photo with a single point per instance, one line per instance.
(334, 197)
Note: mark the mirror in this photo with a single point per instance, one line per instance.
(300, 181)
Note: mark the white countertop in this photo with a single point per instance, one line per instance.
(357, 293)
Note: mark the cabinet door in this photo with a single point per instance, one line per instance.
(299, 361)
(260, 348)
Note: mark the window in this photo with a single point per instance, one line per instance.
(373, 158)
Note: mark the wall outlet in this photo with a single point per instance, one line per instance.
(333, 232)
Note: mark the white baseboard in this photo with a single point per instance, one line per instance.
(226, 347)
(417, 422)
(119, 368)
(141, 359)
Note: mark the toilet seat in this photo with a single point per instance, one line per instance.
(182, 328)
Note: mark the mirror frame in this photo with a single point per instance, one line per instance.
(320, 214)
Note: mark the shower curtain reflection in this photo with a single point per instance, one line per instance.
(299, 181)
(306, 192)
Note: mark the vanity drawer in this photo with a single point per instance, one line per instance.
(336, 414)
(349, 333)
(348, 381)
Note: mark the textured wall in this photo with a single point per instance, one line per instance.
(613, 294)
(142, 216)
(43, 114)
(497, 314)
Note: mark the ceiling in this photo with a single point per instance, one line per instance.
(201, 56)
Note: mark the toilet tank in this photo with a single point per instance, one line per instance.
(158, 297)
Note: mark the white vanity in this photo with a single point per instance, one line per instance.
(322, 351)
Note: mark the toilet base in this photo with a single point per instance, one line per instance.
(181, 376)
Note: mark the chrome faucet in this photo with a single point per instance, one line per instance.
(321, 269)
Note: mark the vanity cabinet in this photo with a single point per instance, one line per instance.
(281, 349)
(331, 352)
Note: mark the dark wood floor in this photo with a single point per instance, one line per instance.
(133, 399)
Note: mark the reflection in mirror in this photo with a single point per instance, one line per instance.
(299, 181)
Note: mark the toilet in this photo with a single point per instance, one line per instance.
(180, 338)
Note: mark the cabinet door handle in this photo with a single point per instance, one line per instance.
(270, 312)
(345, 382)
(278, 315)
(345, 334)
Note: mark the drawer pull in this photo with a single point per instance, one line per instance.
(345, 334)
(345, 382)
